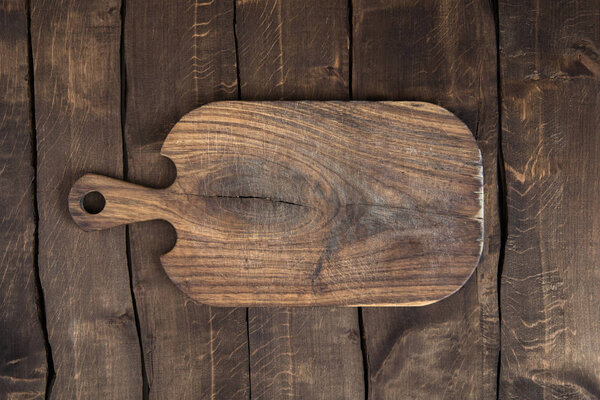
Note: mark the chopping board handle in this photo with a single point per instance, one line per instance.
(98, 202)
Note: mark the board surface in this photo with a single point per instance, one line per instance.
(550, 80)
(92, 338)
(311, 203)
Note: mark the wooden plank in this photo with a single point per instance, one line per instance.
(178, 56)
(305, 353)
(550, 66)
(23, 366)
(299, 50)
(84, 275)
(293, 50)
(442, 52)
(293, 203)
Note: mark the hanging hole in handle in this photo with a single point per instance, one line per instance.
(93, 202)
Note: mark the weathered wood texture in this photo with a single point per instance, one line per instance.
(23, 366)
(178, 56)
(305, 353)
(442, 52)
(311, 353)
(293, 50)
(550, 63)
(311, 203)
(84, 276)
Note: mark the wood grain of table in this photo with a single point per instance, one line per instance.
(96, 87)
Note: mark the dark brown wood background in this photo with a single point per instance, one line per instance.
(95, 86)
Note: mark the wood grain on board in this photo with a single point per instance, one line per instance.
(299, 50)
(89, 313)
(550, 63)
(23, 365)
(311, 203)
(441, 52)
(178, 55)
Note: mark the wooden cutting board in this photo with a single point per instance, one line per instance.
(311, 203)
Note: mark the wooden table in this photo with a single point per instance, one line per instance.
(96, 86)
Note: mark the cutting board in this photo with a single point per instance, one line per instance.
(310, 203)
